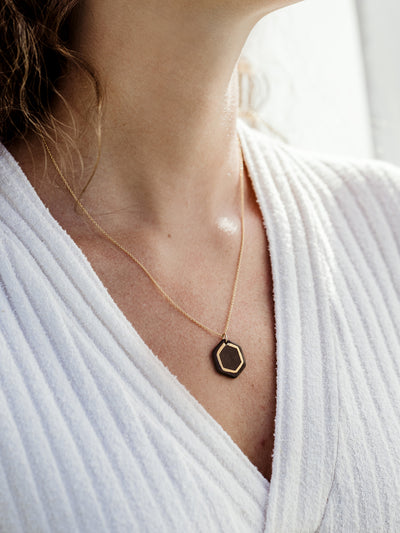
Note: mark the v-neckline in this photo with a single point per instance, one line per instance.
(131, 331)
(287, 467)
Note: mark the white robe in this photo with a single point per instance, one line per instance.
(97, 435)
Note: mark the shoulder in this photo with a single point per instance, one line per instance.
(20, 207)
(20, 242)
(330, 168)
(354, 189)
(341, 172)
(11, 197)
(361, 191)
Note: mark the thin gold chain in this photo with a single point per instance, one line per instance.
(129, 254)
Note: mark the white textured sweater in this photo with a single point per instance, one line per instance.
(96, 434)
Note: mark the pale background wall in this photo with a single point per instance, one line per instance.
(316, 60)
(380, 20)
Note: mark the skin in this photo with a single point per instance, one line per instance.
(170, 78)
(167, 187)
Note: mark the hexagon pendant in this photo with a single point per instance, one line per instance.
(228, 359)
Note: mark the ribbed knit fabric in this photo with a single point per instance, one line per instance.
(96, 434)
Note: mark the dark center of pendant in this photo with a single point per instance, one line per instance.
(228, 359)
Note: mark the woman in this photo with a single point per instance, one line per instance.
(275, 267)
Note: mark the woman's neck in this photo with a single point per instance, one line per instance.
(169, 152)
(169, 146)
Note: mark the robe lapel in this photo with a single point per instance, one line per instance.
(306, 423)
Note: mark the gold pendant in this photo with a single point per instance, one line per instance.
(228, 359)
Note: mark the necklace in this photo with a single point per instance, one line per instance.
(227, 356)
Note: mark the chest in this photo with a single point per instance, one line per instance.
(244, 406)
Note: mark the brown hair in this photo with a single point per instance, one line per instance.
(34, 54)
